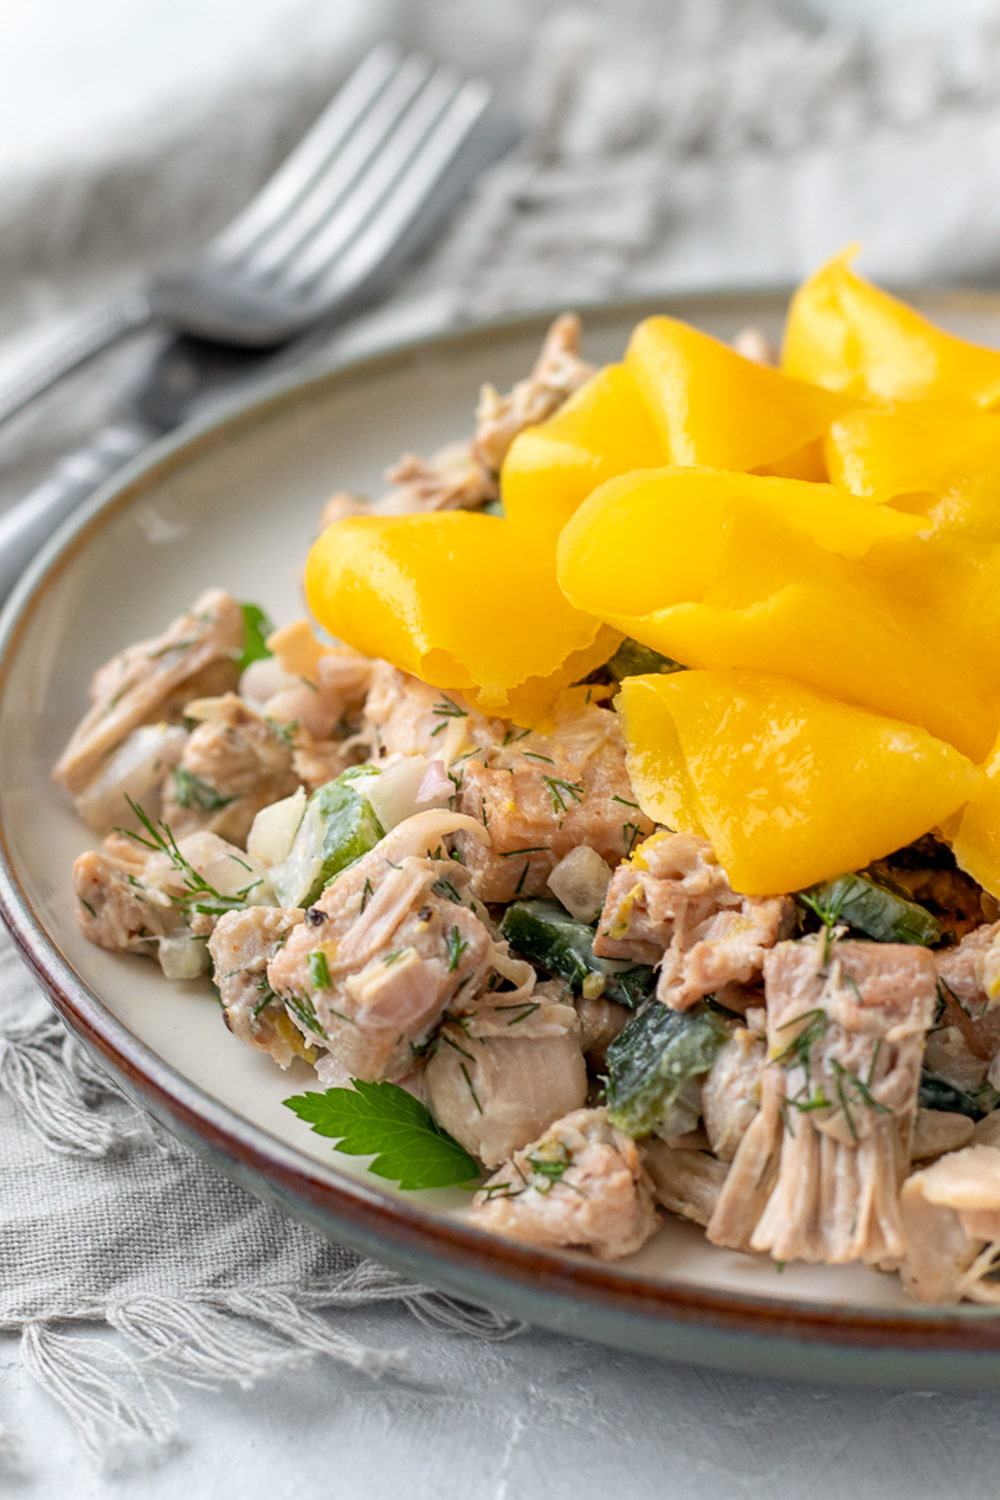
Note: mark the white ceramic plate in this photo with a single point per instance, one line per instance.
(236, 504)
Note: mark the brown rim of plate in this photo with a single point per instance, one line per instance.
(369, 1217)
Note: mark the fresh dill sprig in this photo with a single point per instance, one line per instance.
(559, 790)
(799, 1049)
(450, 1041)
(447, 708)
(198, 895)
(525, 1008)
(455, 946)
(304, 1012)
(269, 997)
(471, 1086)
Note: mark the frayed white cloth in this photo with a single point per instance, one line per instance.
(106, 1220)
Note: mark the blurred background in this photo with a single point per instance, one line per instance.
(666, 144)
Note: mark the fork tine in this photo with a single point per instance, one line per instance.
(401, 209)
(292, 179)
(345, 169)
(344, 221)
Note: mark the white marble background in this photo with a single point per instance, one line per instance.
(127, 90)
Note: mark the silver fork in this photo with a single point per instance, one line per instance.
(341, 211)
(397, 146)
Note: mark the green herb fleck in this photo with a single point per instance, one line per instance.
(173, 646)
(471, 1086)
(256, 629)
(304, 1012)
(268, 997)
(559, 790)
(192, 791)
(284, 732)
(198, 895)
(319, 970)
(456, 946)
(447, 708)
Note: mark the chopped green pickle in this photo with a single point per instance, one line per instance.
(337, 828)
(632, 659)
(544, 933)
(873, 909)
(651, 1060)
(937, 1093)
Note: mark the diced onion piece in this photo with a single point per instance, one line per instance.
(225, 868)
(264, 679)
(397, 791)
(133, 770)
(183, 956)
(274, 828)
(580, 881)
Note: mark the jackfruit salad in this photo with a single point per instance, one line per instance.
(618, 834)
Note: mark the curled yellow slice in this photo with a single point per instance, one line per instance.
(459, 600)
(848, 335)
(915, 448)
(732, 571)
(788, 785)
(713, 407)
(976, 841)
(603, 429)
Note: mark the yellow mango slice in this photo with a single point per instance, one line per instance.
(910, 629)
(459, 600)
(603, 429)
(882, 453)
(646, 540)
(848, 335)
(788, 785)
(968, 510)
(976, 843)
(713, 407)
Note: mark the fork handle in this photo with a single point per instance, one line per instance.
(31, 520)
(78, 341)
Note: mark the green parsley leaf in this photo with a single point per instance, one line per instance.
(384, 1121)
(256, 629)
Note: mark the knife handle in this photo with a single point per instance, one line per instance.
(76, 342)
(30, 521)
